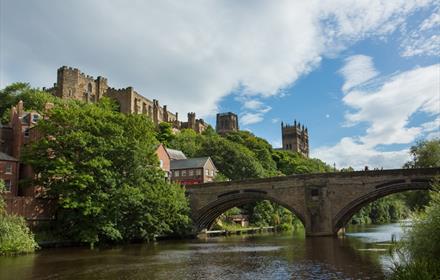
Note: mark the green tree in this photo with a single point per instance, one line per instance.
(165, 133)
(33, 99)
(101, 167)
(188, 141)
(424, 154)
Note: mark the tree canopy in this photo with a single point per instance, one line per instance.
(101, 167)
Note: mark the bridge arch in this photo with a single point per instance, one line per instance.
(207, 215)
(381, 190)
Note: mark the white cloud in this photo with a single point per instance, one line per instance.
(187, 54)
(357, 70)
(251, 118)
(387, 110)
(424, 39)
(275, 120)
(348, 152)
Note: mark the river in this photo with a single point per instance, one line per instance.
(361, 254)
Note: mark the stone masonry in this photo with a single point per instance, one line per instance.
(73, 84)
(295, 138)
(323, 202)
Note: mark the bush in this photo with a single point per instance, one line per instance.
(417, 270)
(15, 236)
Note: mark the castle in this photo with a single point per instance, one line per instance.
(73, 84)
(295, 138)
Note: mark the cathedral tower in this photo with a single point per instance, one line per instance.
(295, 138)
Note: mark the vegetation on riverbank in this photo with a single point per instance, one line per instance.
(15, 236)
(419, 251)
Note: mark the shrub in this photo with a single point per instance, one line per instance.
(15, 236)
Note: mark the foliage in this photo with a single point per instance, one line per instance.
(165, 133)
(422, 243)
(425, 154)
(421, 240)
(187, 141)
(15, 236)
(289, 163)
(385, 210)
(34, 99)
(101, 167)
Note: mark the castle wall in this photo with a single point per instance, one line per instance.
(72, 83)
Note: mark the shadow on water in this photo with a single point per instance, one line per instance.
(268, 256)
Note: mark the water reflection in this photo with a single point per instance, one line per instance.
(270, 256)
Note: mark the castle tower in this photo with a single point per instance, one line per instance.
(72, 84)
(226, 122)
(295, 138)
(192, 120)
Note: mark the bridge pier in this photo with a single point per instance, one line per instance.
(318, 212)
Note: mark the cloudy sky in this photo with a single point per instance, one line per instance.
(363, 76)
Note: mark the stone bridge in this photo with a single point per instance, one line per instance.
(324, 202)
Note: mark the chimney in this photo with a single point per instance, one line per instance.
(20, 109)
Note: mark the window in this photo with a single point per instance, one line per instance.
(190, 172)
(35, 118)
(184, 172)
(176, 173)
(212, 172)
(26, 132)
(8, 185)
(207, 172)
(8, 168)
(161, 163)
(198, 172)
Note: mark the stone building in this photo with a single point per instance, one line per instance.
(73, 84)
(193, 171)
(295, 138)
(226, 122)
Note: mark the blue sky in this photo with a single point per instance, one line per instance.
(363, 76)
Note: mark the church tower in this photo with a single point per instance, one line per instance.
(226, 122)
(295, 138)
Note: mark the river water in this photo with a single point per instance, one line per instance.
(361, 254)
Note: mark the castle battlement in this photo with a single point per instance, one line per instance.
(73, 84)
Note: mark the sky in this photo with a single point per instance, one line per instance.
(363, 76)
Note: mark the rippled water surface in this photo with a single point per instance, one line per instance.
(361, 254)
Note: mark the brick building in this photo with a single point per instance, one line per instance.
(164, 159)
(295, 138)
(73, 84)
(193, 170)
(9, 171)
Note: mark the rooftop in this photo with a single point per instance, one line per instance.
(189, 163)
(175, 154)
(6, 157)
